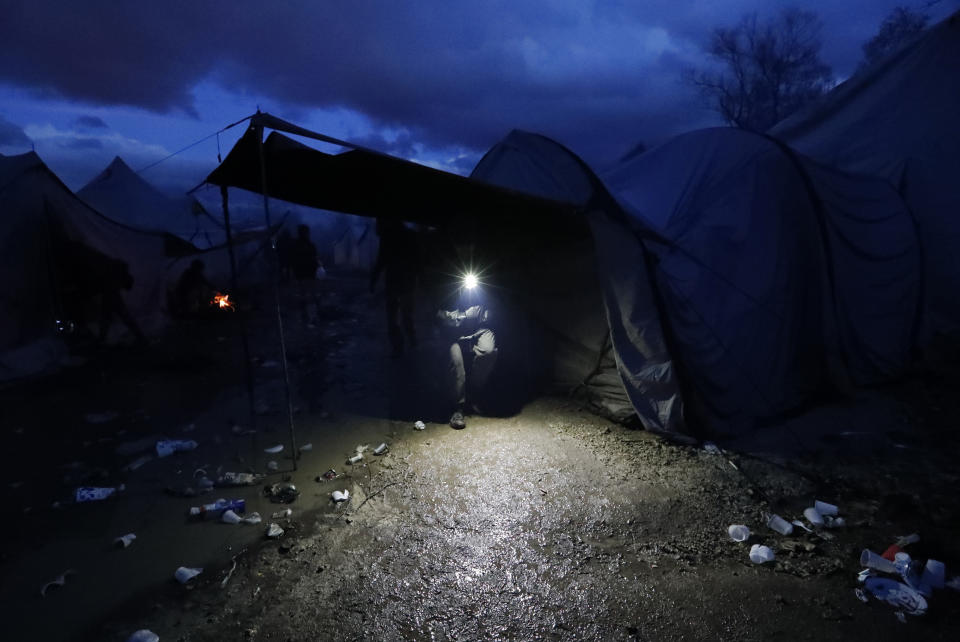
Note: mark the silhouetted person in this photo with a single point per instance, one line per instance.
(193, 292)
(303, 264)
(472, 351)
(88, 274)
(399, 260)
(284, 251)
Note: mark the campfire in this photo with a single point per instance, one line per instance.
(223, 302)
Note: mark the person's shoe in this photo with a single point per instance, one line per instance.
(457, 422)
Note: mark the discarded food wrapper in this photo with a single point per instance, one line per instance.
(826, 509)
(93, 493)
(239, 479)
(286, 512)
(330, 474)
(379, 450)
(897, 594)
(760, 554)
(355, 459)
(185, 574)
(124, 540)
(739, 532)
(306, 447)
(167, 447)
(143, 635)
(813, 516)
(56, 582)
(779, 524)
(252, 518)
(272, 465)
(230, 517)
(273, 449)
(419, 425)
(339, 496)
(274, 530)
(362, 448)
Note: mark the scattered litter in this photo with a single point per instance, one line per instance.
(273, 449)
(306, 447)
(281, 493)
(712, 448)
(355, 459)
(897, 594)
(379, 450)
(800, 524)
(143, 635)
(239, 479)
(124, 540)
(869, 559)
(272, 466)
(223, 582)
(274, 530)
(861, 595)
(813, 516)
(933, 574)
(327, 476)
(93, 494)
(362, 448)
(760, 554)
(252, 518)
(419, 425)
(779, 524)
(57, 582)
(237, 429)
(185, 574)
(230, 517)
(286, 512)
(100, 417)
(834, 522)
(739, 532)
(826, 509)
(137, 463)
(167, 447)
(236, 505)
(339, 496)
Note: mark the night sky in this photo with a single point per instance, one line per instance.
(436, 82)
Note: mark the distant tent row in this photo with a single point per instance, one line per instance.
(39, 215)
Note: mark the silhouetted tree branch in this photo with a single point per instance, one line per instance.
(899, 27)
(771, 69)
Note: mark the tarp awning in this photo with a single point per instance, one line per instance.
(368, 183)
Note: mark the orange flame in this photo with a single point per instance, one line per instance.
(223, 301)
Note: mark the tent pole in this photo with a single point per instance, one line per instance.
(243, 323)
(275, 277)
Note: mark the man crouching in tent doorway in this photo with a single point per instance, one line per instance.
(472, 348)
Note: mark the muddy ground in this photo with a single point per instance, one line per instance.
(550, 523)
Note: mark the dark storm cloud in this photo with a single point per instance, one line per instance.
(597, 76)
(81, 143)
(12, 135)
(89, 122)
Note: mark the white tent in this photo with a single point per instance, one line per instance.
(898, 121)
(121, 194)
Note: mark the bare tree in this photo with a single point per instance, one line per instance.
(770, 69)
(899, 27)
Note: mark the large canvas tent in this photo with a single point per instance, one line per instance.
(715, 281)
(39, 212)
(897, 120)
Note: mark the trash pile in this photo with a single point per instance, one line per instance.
(820, 516)
(918, 579)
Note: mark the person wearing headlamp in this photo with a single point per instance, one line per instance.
(473, 347)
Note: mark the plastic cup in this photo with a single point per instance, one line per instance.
(869, 559)
(814, 517)
(230, 517)
(379, 450)
(761, 554)
(779, 524)
(933, 574)
(739, 532)
(356, 458)
(826, 509)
